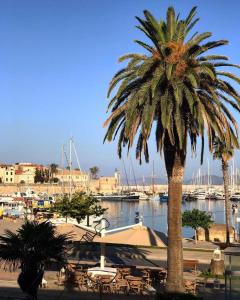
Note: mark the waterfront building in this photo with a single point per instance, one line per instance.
(24, 176)
(7, 173)
(19, 173)
(78, 177)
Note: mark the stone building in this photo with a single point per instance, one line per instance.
(104, 184)
(78, 177)
(7, 173)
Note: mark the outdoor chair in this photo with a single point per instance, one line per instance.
(162, 276)
(82, 280)
(107, 284)
(190, 286)
(135, 287)
(125, 272)
(60, 279)
(121, 286)
(93, 283)
(146, 275)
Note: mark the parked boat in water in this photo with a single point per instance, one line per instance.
(163, 198)
(235, 197)
(118, 197)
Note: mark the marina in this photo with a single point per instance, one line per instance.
(153, 213)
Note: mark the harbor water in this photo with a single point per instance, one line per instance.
(154, 214)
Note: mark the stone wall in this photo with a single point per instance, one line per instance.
(101, 185)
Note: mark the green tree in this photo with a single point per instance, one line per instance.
(224, 153)
(53, 169)
(32, 248)
(94, 172)
(80, 206)
(38, 178)
(195, 219)
(178, 90)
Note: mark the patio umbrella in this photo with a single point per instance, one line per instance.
(76, 232)
(136, 235)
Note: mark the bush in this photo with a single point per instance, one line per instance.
(208, 274)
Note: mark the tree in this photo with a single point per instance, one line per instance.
(177, 89)
(224, 153)
(53, 169)
(79, 207)
(32, 248)
(38, 178)
(46, 175)
(94, 172)
(195, 219)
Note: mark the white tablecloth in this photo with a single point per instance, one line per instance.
(99, 271)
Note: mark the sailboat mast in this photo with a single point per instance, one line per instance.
(153, 189)
(208, 178)
(125, 171)
(134, 175)
(70, 169)
(62, 166)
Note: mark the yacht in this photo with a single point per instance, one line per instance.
(235, 197)
(163, 198)
(119, 197)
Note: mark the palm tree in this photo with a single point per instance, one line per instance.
(177, 88)
(224, 153)
(94, 172)
(32, 247)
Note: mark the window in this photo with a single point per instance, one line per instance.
(11, 179)
(11, 173)
(6, 173)
(6, 179)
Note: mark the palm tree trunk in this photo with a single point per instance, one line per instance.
(227, 202)
(174, 161)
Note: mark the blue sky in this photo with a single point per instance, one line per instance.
(57, 58)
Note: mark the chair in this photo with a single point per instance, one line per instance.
(125, 271)
(60, 279)
(135, 286)
(82, 280)
(190, 286)
(162, 276)
(121, 285)
(107, 284)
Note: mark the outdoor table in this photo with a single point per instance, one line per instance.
(97, 271)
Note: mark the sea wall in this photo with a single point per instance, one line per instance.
(93, 186)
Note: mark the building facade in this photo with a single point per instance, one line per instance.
(76, 176)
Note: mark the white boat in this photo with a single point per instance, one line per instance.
(119, 197)
(11, 207)
(141, 195)
(200, 195)
(235, 197)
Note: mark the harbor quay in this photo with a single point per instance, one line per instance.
(102, 185)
